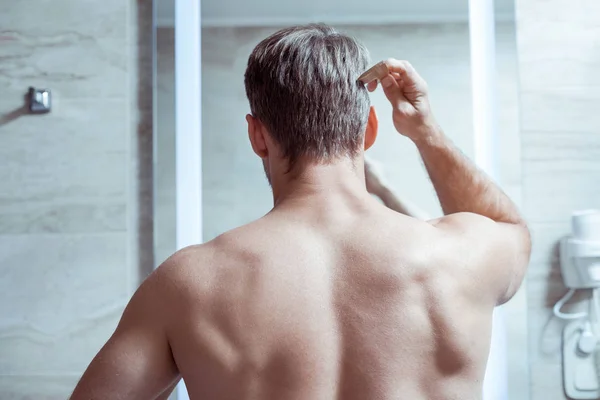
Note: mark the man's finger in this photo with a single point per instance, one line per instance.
(392, 90)
(408, 74)
(371, 86)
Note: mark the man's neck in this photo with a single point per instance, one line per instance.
(320, 181)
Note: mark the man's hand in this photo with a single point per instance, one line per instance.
(407, 92)
(480, 219)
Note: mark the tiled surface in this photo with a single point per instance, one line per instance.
(544, 329)
(60, 294)
(546, 381)
(559, 192)
(40, 18)
(559, 57)
(77, 49)
(557, 43)
(38, 387)
(64, 171)
(560, 108)
(545, 246)
(69, 219)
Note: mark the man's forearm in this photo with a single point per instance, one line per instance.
(460, 185)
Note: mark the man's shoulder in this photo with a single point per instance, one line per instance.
(254, 237)
(218, 253)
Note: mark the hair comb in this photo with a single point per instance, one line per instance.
(376, 72)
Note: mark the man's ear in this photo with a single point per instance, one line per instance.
(256, 134)
(372, 127)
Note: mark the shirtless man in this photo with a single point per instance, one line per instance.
(331, 295)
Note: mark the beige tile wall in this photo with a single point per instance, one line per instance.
(72, 185)
(559, 60)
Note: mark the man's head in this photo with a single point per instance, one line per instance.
(306, 101)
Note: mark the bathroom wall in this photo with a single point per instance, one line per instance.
(559, 64)
(75, 197)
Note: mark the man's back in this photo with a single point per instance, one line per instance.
(344, 300)
(331, 295)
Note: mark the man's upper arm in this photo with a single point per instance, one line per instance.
(136, 362)
(494, 255)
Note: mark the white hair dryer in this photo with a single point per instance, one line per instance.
(580, 252)
(580, 267)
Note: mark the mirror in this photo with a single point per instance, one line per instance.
(433, 35)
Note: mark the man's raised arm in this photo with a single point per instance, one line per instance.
(484, 221)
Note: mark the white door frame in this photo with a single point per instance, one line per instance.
(483, 82)
(188, 130)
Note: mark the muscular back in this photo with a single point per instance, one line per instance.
(350, 302)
